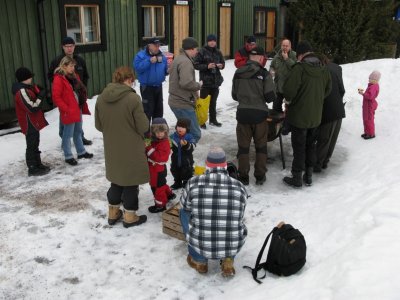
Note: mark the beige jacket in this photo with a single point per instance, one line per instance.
(182, 83)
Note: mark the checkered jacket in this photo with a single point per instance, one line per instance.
(217, 203)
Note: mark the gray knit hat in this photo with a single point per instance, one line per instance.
(189, 43)
(216, 157)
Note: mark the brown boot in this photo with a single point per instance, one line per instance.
(114, 214)
(199, 267)
(227, 267)
(132, 219)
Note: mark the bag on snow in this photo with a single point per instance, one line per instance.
(202, 105)
(286, 254)
(232, 170)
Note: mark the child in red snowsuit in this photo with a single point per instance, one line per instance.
(157, 155)
(370, 104)
(28, 107)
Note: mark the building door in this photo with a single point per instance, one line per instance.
(225, 27)
(271, 30)
(181, 26)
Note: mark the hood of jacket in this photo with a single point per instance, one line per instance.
(115, 92)
(312, 65)
(248, 70)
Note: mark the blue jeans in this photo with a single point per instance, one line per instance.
(185, 217)
(74, 131)
(191, 115)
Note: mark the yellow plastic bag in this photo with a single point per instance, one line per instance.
(202, 106)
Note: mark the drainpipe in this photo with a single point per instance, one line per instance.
(203, 21)
(43, 45)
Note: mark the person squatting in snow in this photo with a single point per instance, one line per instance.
(157, 156)
(183, 144)
(28, 107)
(370, 104)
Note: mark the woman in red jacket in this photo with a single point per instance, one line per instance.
(69, 95)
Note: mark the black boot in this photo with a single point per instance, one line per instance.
(215, 123)
(39, 162)
(295, 180)
(36, 171)
(307, 177)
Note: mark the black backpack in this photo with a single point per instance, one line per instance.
(286, 254)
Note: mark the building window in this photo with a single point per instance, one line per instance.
(260, 16)
(153, 21)
(84, 21)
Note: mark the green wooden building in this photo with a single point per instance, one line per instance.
(108, 33)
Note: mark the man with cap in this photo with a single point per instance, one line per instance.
(252, 87)
(183, 88)
(209, 61)
(305, 89)
(68, 46)
(151, 67)
(212, 214)
(242, 55)
(28, 107)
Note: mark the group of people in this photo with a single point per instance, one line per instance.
(305, 89)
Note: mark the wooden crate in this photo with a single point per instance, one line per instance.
(172, 224)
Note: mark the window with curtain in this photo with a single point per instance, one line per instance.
(83, 23)
(153, 21)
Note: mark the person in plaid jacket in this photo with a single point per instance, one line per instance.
(212, 215)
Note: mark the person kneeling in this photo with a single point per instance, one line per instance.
(207, 202)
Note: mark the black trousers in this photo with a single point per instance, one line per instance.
(212, 110)
(326, 141)
(32, 154)
(128, 195)
(304, 148)
(152, 100)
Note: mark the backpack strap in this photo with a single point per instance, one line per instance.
(259, 266)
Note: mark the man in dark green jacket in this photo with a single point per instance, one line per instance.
(252, 87)
(308, 84)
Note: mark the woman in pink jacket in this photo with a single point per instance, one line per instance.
(370, 104)
(69, 95)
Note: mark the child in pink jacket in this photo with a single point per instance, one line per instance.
(370, 104)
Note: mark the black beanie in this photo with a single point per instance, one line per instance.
(23, 74)
(303, 47)
(189, 43)
(68, 41)
(184, 123)
(211, 37)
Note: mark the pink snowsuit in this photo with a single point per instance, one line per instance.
(369, 107)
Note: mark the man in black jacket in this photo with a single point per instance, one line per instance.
(209, 61)
(68, 46)
(252, 87)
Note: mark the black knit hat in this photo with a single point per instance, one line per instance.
(251, 39)
(23, 74)
(68, 41)
(303, 47)
(184, 123)
(189, 43)
(211, 37)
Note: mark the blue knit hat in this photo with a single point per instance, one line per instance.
(216, 157)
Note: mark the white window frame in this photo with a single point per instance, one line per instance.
(82, 22)
(153, 22)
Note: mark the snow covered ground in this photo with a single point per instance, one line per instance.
(55, 242)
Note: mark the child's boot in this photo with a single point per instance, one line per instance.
(156, 209)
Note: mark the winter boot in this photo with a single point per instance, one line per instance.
(307, 176)
(227, 267)
(295, 180)
(36, 171)
(215, 123)
(199, 267)
(114, 214)
(156, 209)
(132, 219)
(39, 162)
(261, 180)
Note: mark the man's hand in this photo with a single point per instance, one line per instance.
(285, 55)
(211, 65)
(153, 59)
(219, 66)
